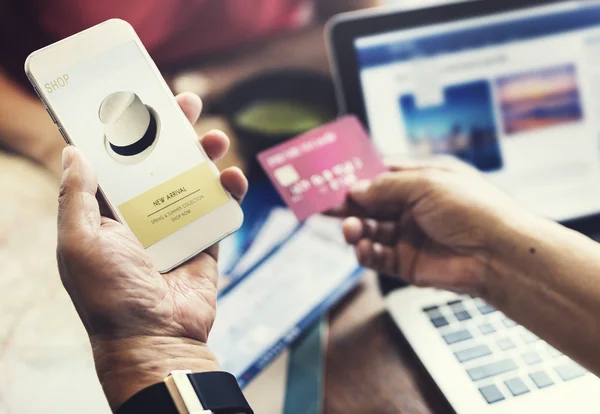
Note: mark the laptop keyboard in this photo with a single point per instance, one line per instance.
(503, 359)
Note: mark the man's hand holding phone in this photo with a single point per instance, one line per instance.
(142, 324)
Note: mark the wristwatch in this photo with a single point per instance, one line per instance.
(185, 393)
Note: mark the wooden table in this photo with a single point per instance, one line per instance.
(367, 369)
(45, 356)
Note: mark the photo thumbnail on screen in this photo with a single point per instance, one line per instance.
(539, 99)
(462, 125)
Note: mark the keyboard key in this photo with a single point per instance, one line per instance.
(570, 371)
(472, 353)
(553, 352)
(491, 393)
(457, 336)
(439, 322)
(485, 309)
(509, 323)
(529, 337)
(490, 370)
(516, 386)
(433, 312)
(487, 328)
(541, 379)
(456, 306)
(505, 344)
(531, 358)
(462, 315)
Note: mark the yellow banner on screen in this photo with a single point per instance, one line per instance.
(174, 204)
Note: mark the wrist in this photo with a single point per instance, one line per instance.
(518, 240)
(126, 366)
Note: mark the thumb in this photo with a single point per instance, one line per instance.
(389, 193)
(78, 208)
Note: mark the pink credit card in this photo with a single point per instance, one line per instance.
(313, 171)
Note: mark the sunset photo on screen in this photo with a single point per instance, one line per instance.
(539, 99)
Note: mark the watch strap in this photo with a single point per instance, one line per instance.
(215, 392)
(218, 392)
(155, 399)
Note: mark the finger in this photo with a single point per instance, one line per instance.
(376, 256)
(356, 229)
(348, 209)
(385, 260)
(213, 251)
(235, 182)
(398, 163)
(385, 196)
(390, 193)
(386, 232)
(191, 105)
(78, 208)
(105, 210)
(202, 266)
(353, 230)
(364, 252)
(215, 143)
(441, 162)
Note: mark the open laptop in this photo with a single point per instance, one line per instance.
(512, 87)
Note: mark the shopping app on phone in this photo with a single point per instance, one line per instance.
(117, 112)
(314, 171)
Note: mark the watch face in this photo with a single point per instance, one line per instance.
(131, 128)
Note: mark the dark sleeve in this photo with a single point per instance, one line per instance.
(19, 36)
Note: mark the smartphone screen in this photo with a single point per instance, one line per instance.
(117, 111)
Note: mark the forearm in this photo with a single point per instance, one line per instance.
(547, 278)
(126, 366)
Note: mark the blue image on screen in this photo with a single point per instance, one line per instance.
(462, 125)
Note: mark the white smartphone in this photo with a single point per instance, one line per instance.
(108, 98)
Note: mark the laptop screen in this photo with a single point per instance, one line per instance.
(517, 95)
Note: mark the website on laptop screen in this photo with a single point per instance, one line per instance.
(516, 95)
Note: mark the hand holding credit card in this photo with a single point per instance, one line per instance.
(314, 171)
